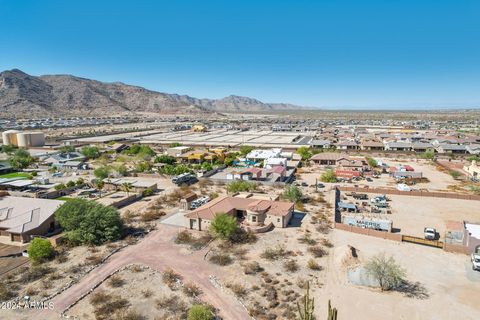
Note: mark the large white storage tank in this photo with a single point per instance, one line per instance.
(36, 139)
(9, 137)
(30, 139)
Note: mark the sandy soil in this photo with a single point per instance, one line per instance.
(412, 214)
(447, 278)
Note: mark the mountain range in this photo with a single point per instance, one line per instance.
(27, 96)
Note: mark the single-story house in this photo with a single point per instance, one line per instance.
(451, 148)
(473, 148)
(464, 235)
(263, 154)
(21, 218)
(136, 184)
(321, 144)
(60, 158)
(347, 145)
(328, 158)
(249, 211)
(372, 145)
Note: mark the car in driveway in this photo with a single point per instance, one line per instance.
(476, 261)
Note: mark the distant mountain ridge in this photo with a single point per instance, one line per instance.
(23, 95)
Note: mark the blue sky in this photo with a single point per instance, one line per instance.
(330, 53)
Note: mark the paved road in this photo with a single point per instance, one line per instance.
(157, 251)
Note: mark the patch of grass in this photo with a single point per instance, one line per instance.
(10, 175)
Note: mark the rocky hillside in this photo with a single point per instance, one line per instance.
(65, 95)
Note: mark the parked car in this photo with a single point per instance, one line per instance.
(304, 184)
(369, 179)
(476, 261)
(430, 233)
(320, 185)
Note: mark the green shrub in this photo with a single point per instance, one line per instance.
(200, 312)
(40, 250)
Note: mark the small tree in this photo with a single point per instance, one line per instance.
(328, 176)
(126, 187)
(200, 312)
(292, 193)
(91, 152)
(101, 172)
(20, 159)
(70, 184)
(386, 271)
(305, 153)
(244, 150)
(372, 162)
(40, 250)
(223, 226)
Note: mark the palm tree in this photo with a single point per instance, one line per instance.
(126, 187)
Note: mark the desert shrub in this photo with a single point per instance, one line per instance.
(151, 215)
(100, 297)
(147, 192)
(274, 253)
(34, 273)
(238, 289)
(200, 312)
(6, 292)
(93, 260)
(31, 291)
(386, 271)
(307, 239)
(40, 250)
(130, 315)
(172, 304)
(252, 267)
(222, 259)
(171, 278)
(239, 235)
(313, 265)
(290, 265)
(191, 289)
(327, 243)
(241, 186)
(317, 251)
(184, 237)
(104, 311)
(116, 281)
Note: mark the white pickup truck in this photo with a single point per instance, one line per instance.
(430, 233)
(476, 261)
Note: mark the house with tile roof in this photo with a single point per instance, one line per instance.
(251, 212)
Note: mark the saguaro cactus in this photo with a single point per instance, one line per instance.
(305, 310)
(332, 312)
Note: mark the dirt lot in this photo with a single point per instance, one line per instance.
(451, 285)
(412, 214)
(144, 292)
